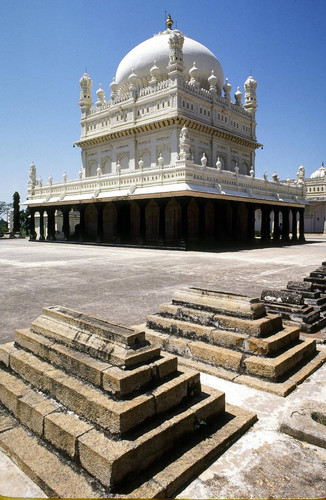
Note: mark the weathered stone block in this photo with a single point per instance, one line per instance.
(274, 368)
(179, 328)
(221, 302)
(173, 392)
(216, 355)
(11, 389)
(33, 408)
(51, 473)
(279, 296)
(77, 363)
(63, 429)
(37, 344)
(258, 327)
(121, 383)
(299, 285)
(228, 339)
(5, 351)
(113, 332)
(274, 343)
(165, 366)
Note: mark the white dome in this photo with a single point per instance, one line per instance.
(319, 173)
(141, 59)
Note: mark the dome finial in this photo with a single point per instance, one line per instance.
(169, 22)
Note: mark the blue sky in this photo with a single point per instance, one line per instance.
(47, 44)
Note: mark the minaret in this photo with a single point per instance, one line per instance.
(250, 103)
(176, 40)
(85, 101)
(32, 178)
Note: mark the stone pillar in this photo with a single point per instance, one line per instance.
(202, 237)
(32, 226)
(301, 225)
(184, 222)
(276, 233)
(81, 209)
(265, 223)
(99, 207)
(286, 225)
(142, 223)
(51, 224)
(162, 223)
(41, 238)
(251, 223)
(234, 230)
(66, 226)
(294, 224)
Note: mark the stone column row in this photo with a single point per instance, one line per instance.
(233, 221)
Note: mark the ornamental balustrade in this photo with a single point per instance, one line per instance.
(220, 182)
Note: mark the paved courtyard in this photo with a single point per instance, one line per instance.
(126, 284)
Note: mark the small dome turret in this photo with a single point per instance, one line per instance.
(319, 173)
(212, 80)
(100, 96)
(227, 87)
(194, 74)
(155, 73)
(238, 97)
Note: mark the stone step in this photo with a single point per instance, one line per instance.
(221, 356)
(275, 368)
(58, 478)
(282, 297)
(117, 417)
(113, 332)
(259, 327)
(108, 459)
(315, 326)
(120, 383)
(225, 338)
(92, 344)
(270, 367)
(301, 286)
(111, 462)
(317, 284)
(318, 274)
(52, 473)
(219, 302)
(270, 346)
(305, 314)
(318, 301)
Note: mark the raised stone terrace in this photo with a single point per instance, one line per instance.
(91, 408)
(301, 301)
(232, 336)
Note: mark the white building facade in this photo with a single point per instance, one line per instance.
(169, 158)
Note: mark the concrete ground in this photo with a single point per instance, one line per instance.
(126, 284)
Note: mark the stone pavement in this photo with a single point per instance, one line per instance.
(126, 284)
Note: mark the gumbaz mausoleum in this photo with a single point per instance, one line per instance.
(168, 159)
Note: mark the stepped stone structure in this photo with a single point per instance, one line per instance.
(91, 408)
(302, 301)
(233, 337)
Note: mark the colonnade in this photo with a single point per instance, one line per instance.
(181, 221)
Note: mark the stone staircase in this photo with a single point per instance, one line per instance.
(233, 337)
(92, 409)
(302, 301)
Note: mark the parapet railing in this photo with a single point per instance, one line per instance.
(220, 182)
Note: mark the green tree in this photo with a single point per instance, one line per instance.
(16, 200)
(24, 214)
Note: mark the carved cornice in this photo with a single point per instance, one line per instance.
(163, 123)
